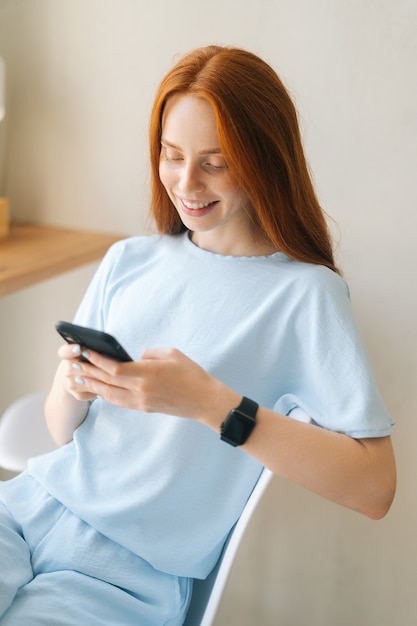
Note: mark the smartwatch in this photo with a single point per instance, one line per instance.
(240, 422)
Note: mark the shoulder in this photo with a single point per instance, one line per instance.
(139, 248)
(313, 283)
(326, 281)
(128, 257)
(136, 244)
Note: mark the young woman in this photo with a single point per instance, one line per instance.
(239, 324)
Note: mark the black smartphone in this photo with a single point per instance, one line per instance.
(92, 339)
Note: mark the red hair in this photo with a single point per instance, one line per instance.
(259, 137)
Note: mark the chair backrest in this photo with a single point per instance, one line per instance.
(23, 434)
(208, 593)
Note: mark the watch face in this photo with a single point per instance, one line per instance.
(237, 427)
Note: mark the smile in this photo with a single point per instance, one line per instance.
(195, 205)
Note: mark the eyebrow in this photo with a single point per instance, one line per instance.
(168, 144)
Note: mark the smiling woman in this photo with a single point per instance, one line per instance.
(246, 326)
(205, 193)
(256, 129)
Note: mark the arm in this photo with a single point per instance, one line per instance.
(65, 407)
(357, 473)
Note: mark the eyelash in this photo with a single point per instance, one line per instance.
(172, 159)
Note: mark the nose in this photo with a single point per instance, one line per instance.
(190, 180)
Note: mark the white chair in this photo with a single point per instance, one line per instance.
(23, 434)
(208, 593)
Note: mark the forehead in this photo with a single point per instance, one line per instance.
(188, 118)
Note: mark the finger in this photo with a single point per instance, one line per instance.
(75, 383)
(83, 396)
(87, 388)
(95, 373)
(69, 351)
(110, 366)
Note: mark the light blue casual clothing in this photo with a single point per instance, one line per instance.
(68, 574)
(279, 331)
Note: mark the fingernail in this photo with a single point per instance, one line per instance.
(85, 354)
(76, 366)
(76, 349)
(79, 380)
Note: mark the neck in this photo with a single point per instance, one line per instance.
(250, 246)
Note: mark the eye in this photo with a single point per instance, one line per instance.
(173, 157)
(216, 164)
(170, 155)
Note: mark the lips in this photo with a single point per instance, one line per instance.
(195, 205)
(196, 209)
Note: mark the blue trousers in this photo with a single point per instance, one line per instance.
(55, 569)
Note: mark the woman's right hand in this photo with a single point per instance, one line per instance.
(66, 405)
(71, 366)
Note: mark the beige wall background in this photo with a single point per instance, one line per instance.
(80, 79)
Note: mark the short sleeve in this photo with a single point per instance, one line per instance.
(331, 377)
(93, 309)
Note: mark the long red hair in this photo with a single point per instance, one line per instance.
(260, 139)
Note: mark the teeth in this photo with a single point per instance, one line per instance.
(195, 205)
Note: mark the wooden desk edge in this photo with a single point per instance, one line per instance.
(39, 267)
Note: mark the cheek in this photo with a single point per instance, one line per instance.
(232, 189)
(165, 180)
(235, 195)
(163, 175)
(167, 173)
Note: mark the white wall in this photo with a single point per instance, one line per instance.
(81, 76)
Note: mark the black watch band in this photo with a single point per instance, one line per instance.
(240, 422)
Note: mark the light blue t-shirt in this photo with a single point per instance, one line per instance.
(276, 330)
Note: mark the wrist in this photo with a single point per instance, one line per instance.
(218, 405)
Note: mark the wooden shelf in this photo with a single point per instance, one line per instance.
(32, 253)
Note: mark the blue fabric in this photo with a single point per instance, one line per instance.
(276, 330)
(166, 490)
(65, 572)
